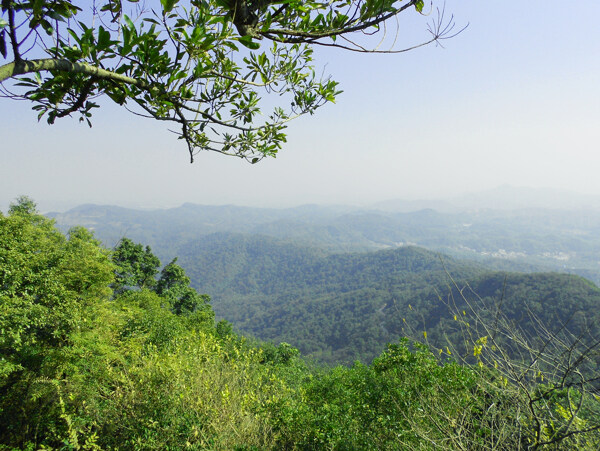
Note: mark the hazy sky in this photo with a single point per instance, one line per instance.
(514, 99)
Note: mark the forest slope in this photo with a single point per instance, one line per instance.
(343, 307)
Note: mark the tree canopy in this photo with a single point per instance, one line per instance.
(210, 67)
(136, 266)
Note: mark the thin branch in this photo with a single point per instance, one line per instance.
(339, 31)
(83, 95)
(13, 34)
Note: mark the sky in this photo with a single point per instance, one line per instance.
(514, 99)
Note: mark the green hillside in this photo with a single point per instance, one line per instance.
(346, 307)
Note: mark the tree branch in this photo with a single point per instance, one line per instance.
(84, 94)
(300, 36)
(13, 33)
(49, 64)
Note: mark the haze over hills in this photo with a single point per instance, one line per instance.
(338, 281)
(504, 197)
(522, 239)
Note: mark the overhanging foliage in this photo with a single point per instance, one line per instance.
(211, 68)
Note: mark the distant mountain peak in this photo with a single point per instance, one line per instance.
(503, 197)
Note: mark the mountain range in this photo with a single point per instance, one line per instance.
(339, 282)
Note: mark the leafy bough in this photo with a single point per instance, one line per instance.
(209, 67)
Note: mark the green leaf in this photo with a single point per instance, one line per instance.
(419, 6)
(129, 23)
(248, 42)
(103, 38)
(168, 5)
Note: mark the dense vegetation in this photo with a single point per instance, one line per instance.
(345, 307)
(100, 350)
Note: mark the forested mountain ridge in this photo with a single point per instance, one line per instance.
(343, 307)
(262, 264)
(519, 240)
(287, 275)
